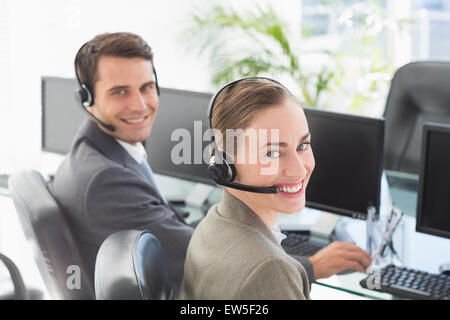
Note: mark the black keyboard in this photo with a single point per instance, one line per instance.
(299, 243)
(409, 283)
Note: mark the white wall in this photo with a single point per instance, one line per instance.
(43, 38)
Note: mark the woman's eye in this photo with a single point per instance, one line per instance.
(303, 146)
(273, 154)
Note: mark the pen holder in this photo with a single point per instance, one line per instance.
(385, 237)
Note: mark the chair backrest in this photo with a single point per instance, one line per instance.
(20, 292)
(419, 93)
(56, 252)
(130, 265)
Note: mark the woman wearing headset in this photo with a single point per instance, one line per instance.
(235, 251)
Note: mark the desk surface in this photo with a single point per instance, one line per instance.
(417, 250)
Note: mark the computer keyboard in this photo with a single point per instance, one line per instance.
(299, 243)
(409, 283)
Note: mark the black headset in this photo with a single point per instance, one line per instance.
(223, 171)
(85, 95)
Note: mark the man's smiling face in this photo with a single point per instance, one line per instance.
(126, 97)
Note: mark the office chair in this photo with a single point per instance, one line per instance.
(419, 93)
(130, 265)
(43, 223)
(20, 292)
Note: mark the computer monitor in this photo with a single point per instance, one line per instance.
(178, 109)
(174, 146)
(61, 114)
(433, 202)
(348, 151)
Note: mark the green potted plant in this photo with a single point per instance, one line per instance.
(258, 41)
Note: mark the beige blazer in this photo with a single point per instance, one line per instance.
(234, 255)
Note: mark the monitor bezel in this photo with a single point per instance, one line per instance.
(428, 127)
(179, 175)
(380, 123)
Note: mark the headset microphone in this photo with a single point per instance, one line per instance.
(244, 187)
(224, 173)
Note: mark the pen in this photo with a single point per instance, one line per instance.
(390, 231)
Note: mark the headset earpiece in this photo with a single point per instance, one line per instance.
(214, 170)
(221, 171)
(87, 98)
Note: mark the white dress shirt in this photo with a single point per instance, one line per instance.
(278, 235)
(137, 152)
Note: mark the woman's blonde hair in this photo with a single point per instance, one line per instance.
(238, 104)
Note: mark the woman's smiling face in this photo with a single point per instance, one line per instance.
(284, 159)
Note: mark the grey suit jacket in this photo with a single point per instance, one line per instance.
(233, 255)
(102, 189)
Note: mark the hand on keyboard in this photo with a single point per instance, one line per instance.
(337, 257)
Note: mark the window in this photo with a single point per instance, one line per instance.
(353, 34)
(430, 29)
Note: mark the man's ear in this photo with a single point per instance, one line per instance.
(93, 110)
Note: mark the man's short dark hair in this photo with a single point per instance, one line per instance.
(119, 44)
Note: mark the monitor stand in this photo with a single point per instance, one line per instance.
(197, 197)
(324, 227)
(325, 230)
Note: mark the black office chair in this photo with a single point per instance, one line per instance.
(56, 253)
(131, 265)
(20, 292)
(420, 92)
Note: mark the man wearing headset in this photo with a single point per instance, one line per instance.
(105, 183)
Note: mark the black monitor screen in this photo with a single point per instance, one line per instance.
(61, 114)
(433, 207)
(348, 151)
(176, 144)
